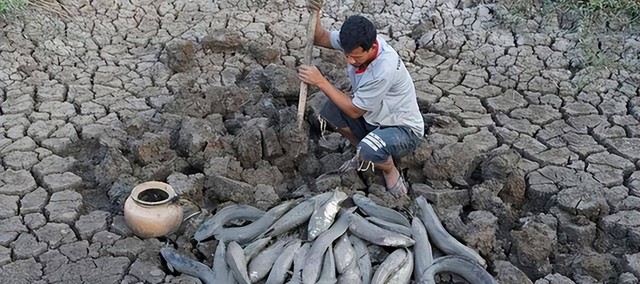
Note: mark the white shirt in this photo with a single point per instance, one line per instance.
(385, 89)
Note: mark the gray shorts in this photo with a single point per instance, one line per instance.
(376, 143)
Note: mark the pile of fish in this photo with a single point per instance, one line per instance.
(316, 240)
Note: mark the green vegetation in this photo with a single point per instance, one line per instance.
(7, 6)
(624, 12)
(593, 18)
(596, 23)
(628, 8)
(582, 14)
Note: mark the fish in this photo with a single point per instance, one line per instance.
(260, 265)
(231, 277)
(403, 274)
(350, 276)
(297, 216)
(188, 266)
(440, 237)
(323, 216)
(230, 213)
(374, 210)
(313, 262)
(462, 266)
(282, 264)
(362, 258)
(344, 249)
(422, 248)
(298, 264)
(328, 274)
(394, 227)
(219, 265)
(391, 264)
(336, 246)
(376, 235)
(237, 262)
(255, 247)
(347, 266)
(248, 233)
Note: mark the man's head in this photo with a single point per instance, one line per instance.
(357, 38)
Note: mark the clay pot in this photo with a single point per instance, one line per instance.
(150, 210)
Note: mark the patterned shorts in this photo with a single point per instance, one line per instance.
(377, 143)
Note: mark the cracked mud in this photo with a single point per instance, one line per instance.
(532, 158)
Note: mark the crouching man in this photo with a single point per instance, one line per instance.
(381, 118)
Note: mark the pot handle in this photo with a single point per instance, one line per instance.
(179, 200)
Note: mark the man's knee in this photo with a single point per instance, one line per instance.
(373, 148)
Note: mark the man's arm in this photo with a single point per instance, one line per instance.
(321, 36)
(311, 75)
(341, 100)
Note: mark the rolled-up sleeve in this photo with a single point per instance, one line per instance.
(334, 36)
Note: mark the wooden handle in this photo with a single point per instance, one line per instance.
(308, 52)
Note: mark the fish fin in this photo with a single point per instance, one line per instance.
(164, 253)
(305, 241)
(173, 270)
(266, 233)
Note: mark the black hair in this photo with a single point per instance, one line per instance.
(356, 32)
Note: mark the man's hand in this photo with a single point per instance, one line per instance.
(311, 75)
(314, 5)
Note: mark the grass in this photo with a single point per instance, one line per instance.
(589, 19)
(587, 14)
(620, 13)
(607, 8)
(597, 17)
(9, 6)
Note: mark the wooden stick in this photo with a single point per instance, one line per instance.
(308, 52)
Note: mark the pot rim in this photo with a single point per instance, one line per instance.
(156, 185)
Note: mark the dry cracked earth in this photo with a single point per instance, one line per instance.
(532, 157)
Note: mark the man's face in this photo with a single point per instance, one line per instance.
(358, 56)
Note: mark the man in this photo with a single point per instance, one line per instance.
(381, 118)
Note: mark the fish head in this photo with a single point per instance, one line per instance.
(340, 196)
(421, 201)
(169, 256)
(198, 236)
(358, 198)
(220, 247)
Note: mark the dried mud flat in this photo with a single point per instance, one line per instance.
(531, 158)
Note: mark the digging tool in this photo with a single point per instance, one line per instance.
(308, 51)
